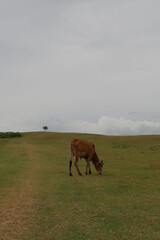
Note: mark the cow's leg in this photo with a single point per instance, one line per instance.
(88, 166)
(89, 169)
(70, 165)
(70, 161)
(76, 165)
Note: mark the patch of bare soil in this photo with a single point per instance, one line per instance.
(16, 208)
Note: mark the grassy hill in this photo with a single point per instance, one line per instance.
(38, 199)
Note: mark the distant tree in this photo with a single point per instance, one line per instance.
(45, 128)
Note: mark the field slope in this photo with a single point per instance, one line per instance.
(39, 200)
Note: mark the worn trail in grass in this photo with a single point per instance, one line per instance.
(40, 201)
(16, 199)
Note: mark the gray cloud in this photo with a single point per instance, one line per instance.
(79, 60)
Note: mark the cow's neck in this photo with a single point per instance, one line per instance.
(95, 159)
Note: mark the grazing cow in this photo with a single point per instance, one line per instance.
(84, 149)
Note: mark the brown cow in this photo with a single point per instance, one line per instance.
(84, 149)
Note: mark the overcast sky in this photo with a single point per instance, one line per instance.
(80, 66)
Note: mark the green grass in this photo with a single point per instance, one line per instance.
(39, 200)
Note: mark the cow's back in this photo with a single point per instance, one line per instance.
(83, 148)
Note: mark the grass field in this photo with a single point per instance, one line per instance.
(39, 200)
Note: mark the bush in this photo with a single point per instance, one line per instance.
(10, 134)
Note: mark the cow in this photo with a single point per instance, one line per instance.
(84, 149)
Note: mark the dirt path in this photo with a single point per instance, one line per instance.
(16, 208)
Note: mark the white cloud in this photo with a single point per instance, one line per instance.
(115, 126)
(105, 125)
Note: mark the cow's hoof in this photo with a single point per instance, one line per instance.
(70, 174)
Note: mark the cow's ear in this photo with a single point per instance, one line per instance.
(102, 162)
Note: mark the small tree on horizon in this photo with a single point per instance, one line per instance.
(45, 128)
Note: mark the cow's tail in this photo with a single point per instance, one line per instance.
(71, 157)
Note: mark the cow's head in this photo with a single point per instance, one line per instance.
(99, 167)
